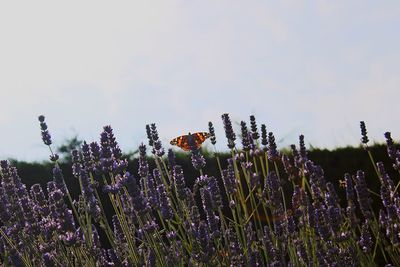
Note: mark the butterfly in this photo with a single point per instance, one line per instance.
(194, 139)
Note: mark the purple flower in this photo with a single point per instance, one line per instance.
(143, 165)
(273, 190)
(198, 160)
(164, 202)
(391, 149)
(209, 206)
(54, 157)
(58, 178)
(298, 201)
(106, 159)
(120, 238)
(264, 135)
(273, 153)
(62, 216)
(4, 206)
(88, 195)
(112, 255)
(363, 195)
(116, 151)
(303, 150)
(364, 137)
(290, 169)
(113, 189)
(95, 151)
(150, 191)
(158, 149)
(255, 258)
(301, 251)
(212, 133)
(272, 252)
(351, 200)
(387, 186)
(321, 221)
(230, 134)
(229, 178)
(171, 158)
(179, 182)
(245, 136)
(88, 160)
(215, 192)
(365, 241)
(45, 133)
(138, 201)
(149, 135)
(203, 248)
(254, 131)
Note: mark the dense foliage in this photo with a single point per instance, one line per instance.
(259, 207)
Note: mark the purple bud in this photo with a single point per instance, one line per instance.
(41, 118)
(138, 201)
(364, 137)
(58, 178)
(149, 136)
(230, 134)
(156, 142)
(164, 202)
(198, 160)
(212, 133)
(54, 157)
(303, 150)
(179, 181)
(171, 158)
(44, 132)
(363, 195)
(245, 136)
(143, 165)
(264, 135)
(273, 153)
(253, 127)
(365, 241)
(229, 178)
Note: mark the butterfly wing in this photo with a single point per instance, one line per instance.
(182, 142)
(200, 137)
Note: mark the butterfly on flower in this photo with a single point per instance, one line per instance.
(190, 141)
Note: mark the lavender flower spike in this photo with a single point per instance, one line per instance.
(230, 134)
(212, 133)
(46, 137)
(273, 153)
(364, 137)
(254, 131)
(158, 149)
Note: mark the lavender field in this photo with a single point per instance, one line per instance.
(263, 207)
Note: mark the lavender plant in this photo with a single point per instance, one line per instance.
(264, 208)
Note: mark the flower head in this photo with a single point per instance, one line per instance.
(230, 134)
(46, 137)
(273, 153)
(212, 133)
(364, 137)
(254, 130)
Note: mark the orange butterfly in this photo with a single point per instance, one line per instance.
(184, 141)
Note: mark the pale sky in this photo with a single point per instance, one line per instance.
(301, 67)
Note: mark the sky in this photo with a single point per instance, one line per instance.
(301, 67)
